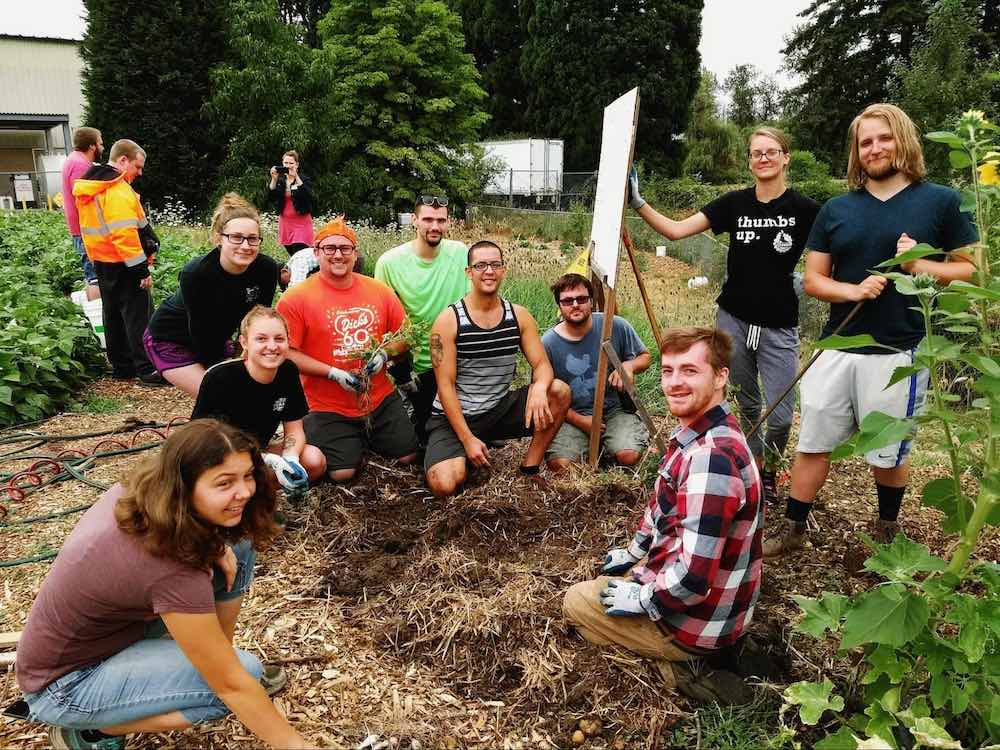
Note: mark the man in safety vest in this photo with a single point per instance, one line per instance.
(121, 244)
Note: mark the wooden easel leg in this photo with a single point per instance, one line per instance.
(602, 376)
(642, 289)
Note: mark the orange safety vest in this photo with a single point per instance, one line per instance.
(110, 219)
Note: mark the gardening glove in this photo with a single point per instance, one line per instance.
(290, 473)
(619, 560)
(622, 598)
(634, 199)
(376, 363)
(348, 381)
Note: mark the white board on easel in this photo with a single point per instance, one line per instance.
(616, 157)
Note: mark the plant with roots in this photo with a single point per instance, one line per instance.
(929, 633)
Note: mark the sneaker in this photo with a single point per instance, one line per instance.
(153, 380)
(274, 679)
(791, 537)
(73, 739)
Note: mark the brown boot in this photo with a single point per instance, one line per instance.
(881, 532)
(792, 536)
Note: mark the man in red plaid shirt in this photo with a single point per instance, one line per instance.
(701, 532)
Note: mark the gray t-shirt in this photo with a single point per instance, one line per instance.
(575, 362)
(102, 590)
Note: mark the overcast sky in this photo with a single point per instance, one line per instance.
(733, 31)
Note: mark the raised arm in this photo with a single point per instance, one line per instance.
(669, 228)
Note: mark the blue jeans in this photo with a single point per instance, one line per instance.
(89, 274)
(149, 678)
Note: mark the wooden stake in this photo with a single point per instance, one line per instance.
(647, 420)
(602, 376)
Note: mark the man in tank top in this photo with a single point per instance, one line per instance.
(474, 345)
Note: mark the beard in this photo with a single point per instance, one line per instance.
(881, 172)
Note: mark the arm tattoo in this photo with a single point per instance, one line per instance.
(289, 443)
(437, 349)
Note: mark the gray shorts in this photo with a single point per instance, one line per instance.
(505, 421)
(842, 388)
(622, 431)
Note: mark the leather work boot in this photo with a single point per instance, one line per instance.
(791, 537)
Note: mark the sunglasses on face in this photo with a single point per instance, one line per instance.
(434, 201)
(569, 301)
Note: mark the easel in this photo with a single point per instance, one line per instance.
(609, 308)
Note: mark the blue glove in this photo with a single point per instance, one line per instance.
(618, 561)
(622, 598)
(634, 199)
(291, 474)
(376, 363)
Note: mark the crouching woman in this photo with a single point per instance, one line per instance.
(169, 553)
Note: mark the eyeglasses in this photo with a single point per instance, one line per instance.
(332, 250)
(434, 201)
(238, 239)
(481, 266)
(771, 154)
(569, 301)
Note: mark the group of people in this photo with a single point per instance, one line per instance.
(176, 540)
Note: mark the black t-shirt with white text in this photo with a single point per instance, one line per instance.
(229, 393)
(766, 241)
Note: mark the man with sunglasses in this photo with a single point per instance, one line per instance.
(573, 347)
(474, 345)
(427, 274)
(333, 317)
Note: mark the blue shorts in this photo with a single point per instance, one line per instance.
(149, 678)
(89, 272)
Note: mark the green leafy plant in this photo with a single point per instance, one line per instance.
(930, 632)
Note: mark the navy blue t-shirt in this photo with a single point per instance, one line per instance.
(860, 231)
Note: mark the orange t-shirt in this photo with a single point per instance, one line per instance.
(326, 323)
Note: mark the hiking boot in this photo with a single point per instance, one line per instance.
(791, 537)
(703, 685)
(769, 486)
(274, 679)
(881, 532)
(152, 380)
(884, 532)
(77, 739)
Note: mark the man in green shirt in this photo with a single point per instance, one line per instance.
(427, 274)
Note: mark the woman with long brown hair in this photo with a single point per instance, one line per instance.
(170, 551)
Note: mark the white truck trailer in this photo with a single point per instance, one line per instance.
(532, 166)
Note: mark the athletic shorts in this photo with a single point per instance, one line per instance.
(842, 388)
(505, 421)
(167, 355)
(343, 440)
(622, 432)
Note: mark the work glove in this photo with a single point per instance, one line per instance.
(634, 199)
(621, 597)
(618, 561)
(376, 363)
(290, 473)
(348, 381)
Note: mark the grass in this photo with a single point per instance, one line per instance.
(749, 727)
(100, 405)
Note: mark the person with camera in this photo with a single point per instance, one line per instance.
(291, 194)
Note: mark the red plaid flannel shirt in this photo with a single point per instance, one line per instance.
(702, 533)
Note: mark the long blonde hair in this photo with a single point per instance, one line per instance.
(909, 158)
(231, 206)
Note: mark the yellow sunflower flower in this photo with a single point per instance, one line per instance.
(989, 174)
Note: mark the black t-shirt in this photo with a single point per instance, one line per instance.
(766, 241)
(229, 393)
(860, 231)
(209, 304)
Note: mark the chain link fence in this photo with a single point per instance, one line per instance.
(541, 189)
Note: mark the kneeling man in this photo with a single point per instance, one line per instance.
(474, 345)
(574, 346)
(701, 532)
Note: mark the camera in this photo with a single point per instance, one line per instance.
(280, 169)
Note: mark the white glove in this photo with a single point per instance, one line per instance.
(634, 199)
(376, 363)
(617, 561)
(348, 381)
(622, 598)
(291, 474)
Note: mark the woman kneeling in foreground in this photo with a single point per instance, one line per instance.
(170, 552)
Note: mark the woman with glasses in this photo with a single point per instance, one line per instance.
(291, 194)
(193, 328)
(767, 224)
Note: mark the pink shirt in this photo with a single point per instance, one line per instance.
(294, 227)
(73, 169)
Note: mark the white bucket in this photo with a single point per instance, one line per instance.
(661, 251)
(93, 308)
(405, 220)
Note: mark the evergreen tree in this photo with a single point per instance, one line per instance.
(401, 102)
(260, 104)
(146, 77)
(583, 54)
(741, 85)
(715, 148)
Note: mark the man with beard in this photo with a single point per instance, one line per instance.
(474, 345)
(700, 534)
(889, 211)
(88, 147)
(427, 274)
(573, 347)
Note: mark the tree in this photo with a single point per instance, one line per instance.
(306, 15)
(846, 52)
(145, 77)
(260, 104)
(582, 54)
(495, 33)
(400, 104)
(741, 84)
(715, 149)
